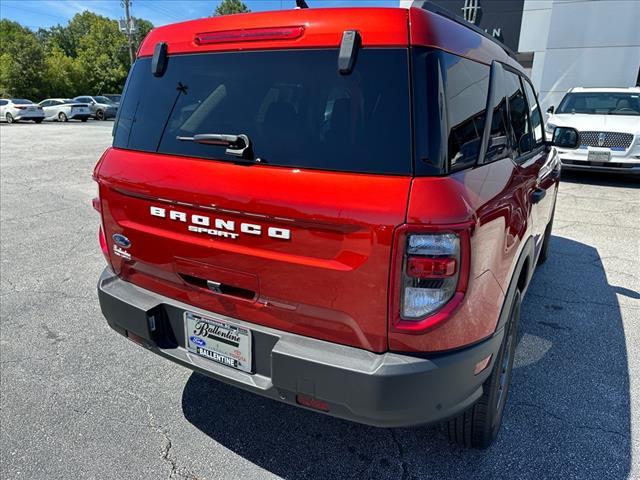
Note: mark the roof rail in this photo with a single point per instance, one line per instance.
(443, 12)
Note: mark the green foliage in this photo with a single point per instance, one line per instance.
(228, 7)
(22, 61)
(87, 56)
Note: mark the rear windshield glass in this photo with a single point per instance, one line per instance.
(21, 101)
(294, 105)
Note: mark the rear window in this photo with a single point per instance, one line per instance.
(294, 105)
(21, 101)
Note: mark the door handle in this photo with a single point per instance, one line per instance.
(537, 195)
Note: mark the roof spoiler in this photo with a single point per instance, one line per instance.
(443, 12)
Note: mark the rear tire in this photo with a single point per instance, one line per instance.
(84, 119)
(479, 425)
(62, 117)
(9, 118)
(100, 115)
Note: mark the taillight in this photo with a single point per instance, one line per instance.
(18, 107)
(429, 277)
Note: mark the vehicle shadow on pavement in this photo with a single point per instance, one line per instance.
(568, 415)
(601, 179)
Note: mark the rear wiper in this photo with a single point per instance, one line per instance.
(237, 145)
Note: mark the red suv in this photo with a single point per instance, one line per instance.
(339, 209)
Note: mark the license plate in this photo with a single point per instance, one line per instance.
(31, 109)
(599, 156)
(221, 342)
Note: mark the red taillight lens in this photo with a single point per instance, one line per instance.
(430, 273)
(19, 107)
(250, 35)
(425, 267)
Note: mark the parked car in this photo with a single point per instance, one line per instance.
(17, 109)
(114, 97)
(64, 109)
(101, 107)
(608, 120)
(368, 263)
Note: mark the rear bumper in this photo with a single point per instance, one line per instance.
(28, 116)
(385, 390)
(79, 116)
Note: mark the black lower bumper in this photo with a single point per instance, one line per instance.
(386, 390)
(631, 168)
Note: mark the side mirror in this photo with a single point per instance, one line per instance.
(551, 109)
(565, 137)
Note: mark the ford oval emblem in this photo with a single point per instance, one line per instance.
(197, 340)
(121, 240)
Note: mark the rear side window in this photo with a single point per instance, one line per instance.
(499, 145)
(534, 114)
(294, 105)
(466, 85)
(518, 112)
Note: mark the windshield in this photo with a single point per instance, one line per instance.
(21, 101)
(294, 105)
(601, 103)
(101, 99)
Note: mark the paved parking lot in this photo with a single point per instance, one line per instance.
(79, 401)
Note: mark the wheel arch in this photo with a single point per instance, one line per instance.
(520, 279)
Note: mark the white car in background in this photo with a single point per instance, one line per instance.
(608, 122)
(64, 109)
(16, 109)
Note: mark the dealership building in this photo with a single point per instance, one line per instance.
(562, 43)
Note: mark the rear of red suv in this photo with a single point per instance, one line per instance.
(287, 208)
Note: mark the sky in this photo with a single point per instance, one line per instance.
(46, 13)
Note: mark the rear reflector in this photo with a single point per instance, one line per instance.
(424, 267)
(250, 35)
(482, 364)
(136, 339)
(311, 402)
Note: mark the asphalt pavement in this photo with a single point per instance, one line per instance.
(79, 401)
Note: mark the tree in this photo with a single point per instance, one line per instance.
(228, 7)
(87, 56)
(22, 61)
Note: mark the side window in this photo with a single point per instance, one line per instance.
(3, 103)
(518, 113)
(466, 85)
(498, 146)
(534, 114)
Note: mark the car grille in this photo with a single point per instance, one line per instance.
(610, 140)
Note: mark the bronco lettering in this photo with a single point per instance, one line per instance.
(223, 228)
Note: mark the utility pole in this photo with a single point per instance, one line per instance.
(128, 27)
